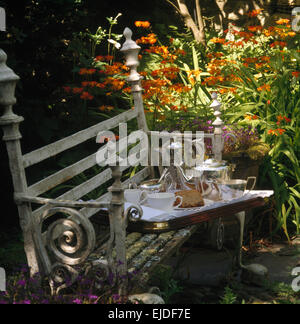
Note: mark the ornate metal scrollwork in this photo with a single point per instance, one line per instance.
(134, 213)
(218, 234)
(61, 277)
(69, 240)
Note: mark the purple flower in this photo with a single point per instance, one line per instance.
(77, 301)
(93, 297)
(116, 297)
(27, 302)
(21, 283)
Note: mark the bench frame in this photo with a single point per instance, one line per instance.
(38, 245)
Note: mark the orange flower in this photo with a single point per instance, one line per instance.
(106, 108)
(116, 68)
(251, 117)
(288, 120)
(265, 58)
(269, 32)
(278, 43)
(77, 90)
(142, 24)
(254, 29)
(249, 60)
(276, 132)
(296, 74)
(86, 96)
(254, 13)
(67, 89)
(282, 21)
(217, 40)
(265, 87)
(281, 131)
(104, 58)
(91, 84)
(115, 84)
(87, 71)
(150, 39)
(280, 118)
(272, 132)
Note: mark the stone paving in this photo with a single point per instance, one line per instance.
(205, 272)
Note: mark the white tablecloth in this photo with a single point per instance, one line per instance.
(154, 215)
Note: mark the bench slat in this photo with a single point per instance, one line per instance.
(75, 169)
(171, 246)
(62, 176)
(60, 146)
(80, 190)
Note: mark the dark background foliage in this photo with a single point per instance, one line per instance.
(35, 42)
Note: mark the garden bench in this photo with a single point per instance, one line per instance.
(70, 243)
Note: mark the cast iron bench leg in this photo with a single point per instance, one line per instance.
(241, 218)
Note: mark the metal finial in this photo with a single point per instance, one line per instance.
(214, 96)
(216, 105)
(129, 43)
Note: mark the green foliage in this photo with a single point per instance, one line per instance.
(229, 297)
(163, 279)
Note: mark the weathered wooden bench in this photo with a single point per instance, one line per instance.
(70, 243)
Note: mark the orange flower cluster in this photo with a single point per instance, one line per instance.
(179, 88)
(278, 43)
(281, 118)
(78, 90)
(92, 84)
(116, 68)
(281, 32)
(114, 83)
(193, 76)
(87, 71)
(215, 55)
(150, 39)
(106, 108)
(105, 58)
(283, 22)
(67, 89)
(86, 96)
(276, 132)
(164, 52)
(254, 13)
(296, 74)
(153, 87)
(251, 117)
(170, 73)
(227, 90)
(265, 87)
(213, 80)
(255, 29)
(261, 61)
(217, 40)
(142, 24)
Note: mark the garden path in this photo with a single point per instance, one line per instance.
(204, 273)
